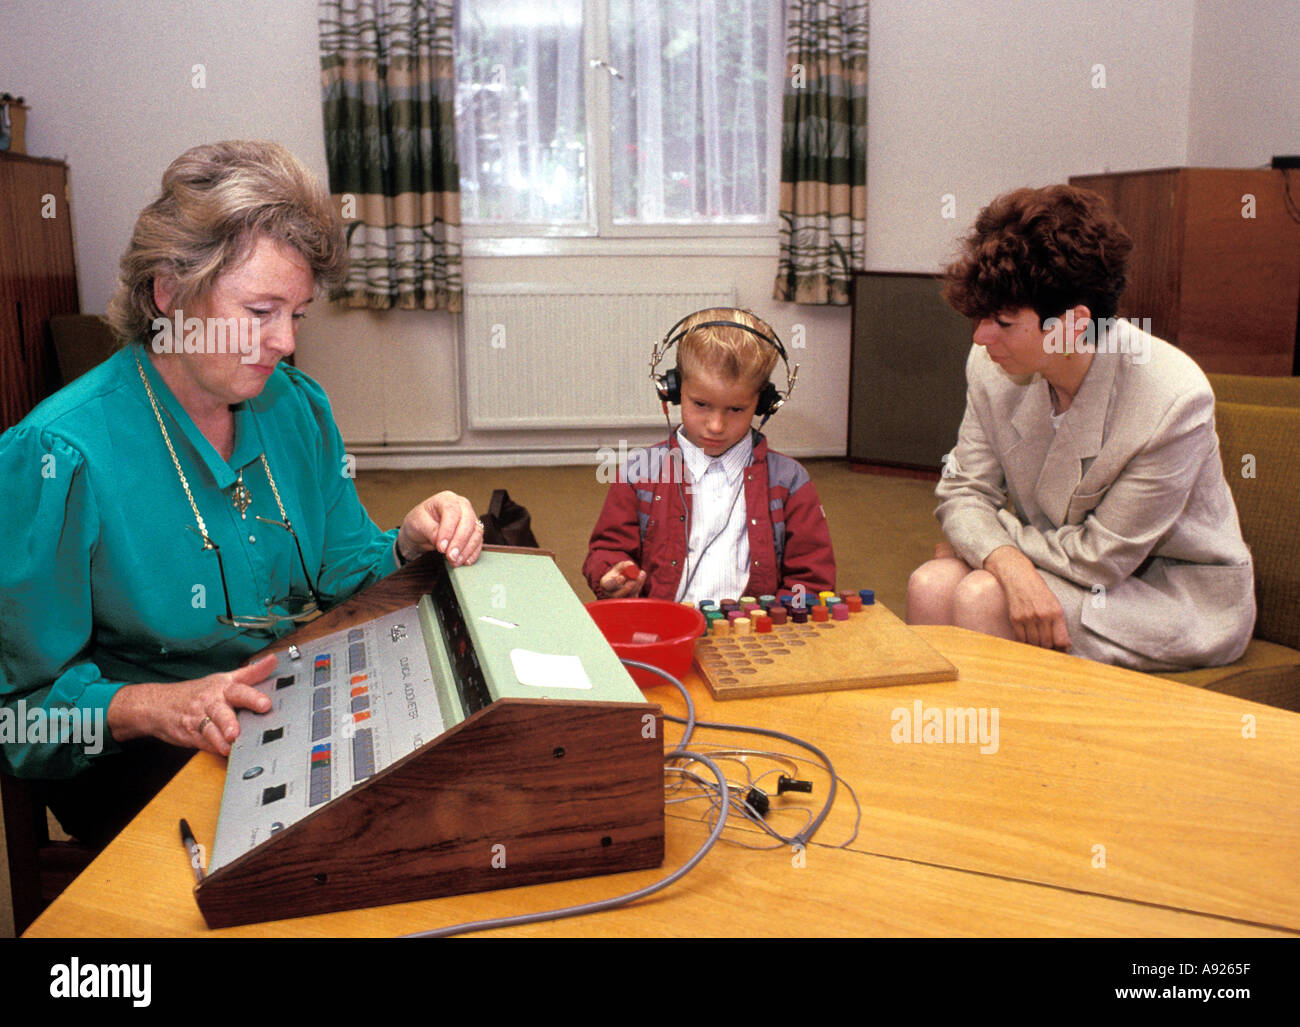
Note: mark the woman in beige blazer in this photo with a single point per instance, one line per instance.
(1084, 504)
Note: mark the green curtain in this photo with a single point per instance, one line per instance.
(823, 151)
(389, 93)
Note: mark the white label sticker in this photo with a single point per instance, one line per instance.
(546, 670)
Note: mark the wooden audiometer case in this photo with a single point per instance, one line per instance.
(542, 760)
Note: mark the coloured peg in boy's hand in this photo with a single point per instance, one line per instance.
(621, 581)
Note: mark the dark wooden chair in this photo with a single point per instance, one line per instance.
(39, 866)
(81, 341)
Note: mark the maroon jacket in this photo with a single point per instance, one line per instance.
(644, 521)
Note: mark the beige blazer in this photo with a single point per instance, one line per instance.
(1126, 500)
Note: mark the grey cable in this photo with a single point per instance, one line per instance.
(690, 703)
(744, 809)
(740, 806)
(804, 836)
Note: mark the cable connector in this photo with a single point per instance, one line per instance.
(785, 783)
(758, 801)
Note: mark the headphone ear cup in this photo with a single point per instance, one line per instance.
(669, 387)
(769, 400)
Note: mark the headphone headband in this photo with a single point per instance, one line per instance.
(672, 340)
(669, 385)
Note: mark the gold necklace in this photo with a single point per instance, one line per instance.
(241, 498)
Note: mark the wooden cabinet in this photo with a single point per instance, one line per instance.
(38, 278)
(1216, 262)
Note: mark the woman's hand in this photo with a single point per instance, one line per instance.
(622, 581)
(445, 522)
(197, 714)
(1035, 612)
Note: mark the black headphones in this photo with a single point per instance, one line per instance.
(669, 384)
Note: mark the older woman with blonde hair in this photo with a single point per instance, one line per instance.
(189, 500)
(1084, 505)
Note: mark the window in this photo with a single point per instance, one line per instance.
(618, 117)
(520, 124)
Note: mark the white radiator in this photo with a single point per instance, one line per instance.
(545, 357)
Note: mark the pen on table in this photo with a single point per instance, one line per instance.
(192, 847)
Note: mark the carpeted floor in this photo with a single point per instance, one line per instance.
(882, 527)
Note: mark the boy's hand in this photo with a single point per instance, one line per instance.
(622, 580)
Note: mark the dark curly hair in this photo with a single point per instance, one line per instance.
(1049, 249)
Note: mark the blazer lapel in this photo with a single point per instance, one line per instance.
(1025, 456)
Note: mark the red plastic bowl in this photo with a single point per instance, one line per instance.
(676, 625)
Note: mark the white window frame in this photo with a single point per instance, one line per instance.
(600, 236)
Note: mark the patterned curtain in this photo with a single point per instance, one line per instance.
(389, 92)
(823, 151)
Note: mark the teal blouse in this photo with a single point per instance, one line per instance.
(103, 582)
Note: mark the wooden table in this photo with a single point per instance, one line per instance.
(1115, 804)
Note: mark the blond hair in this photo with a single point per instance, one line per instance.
(217, 200)
(728, 352)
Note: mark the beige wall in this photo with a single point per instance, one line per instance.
(1245, 82)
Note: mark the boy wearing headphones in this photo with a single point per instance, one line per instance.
(712, 512)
